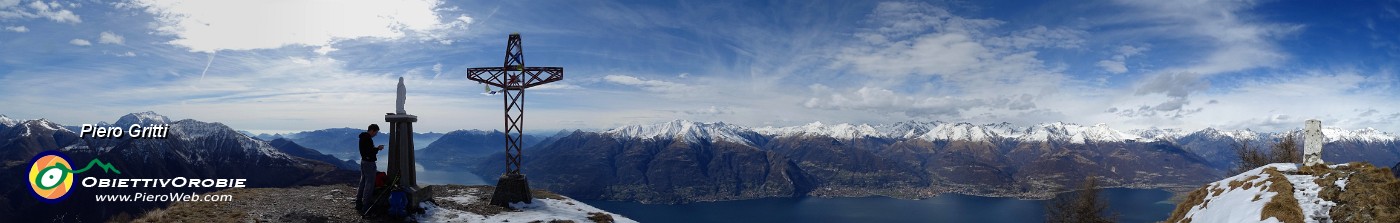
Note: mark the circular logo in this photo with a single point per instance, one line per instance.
(50, 176)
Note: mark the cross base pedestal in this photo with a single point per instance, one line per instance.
(511, 188)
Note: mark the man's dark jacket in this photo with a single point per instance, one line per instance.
(367, 151)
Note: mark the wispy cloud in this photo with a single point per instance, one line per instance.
(295, 65)
(657, 86)
(18, 29)
(54, 11)
(80, 42)
(208, 26)
(914, 41)
(110, 38)
(1117, 63)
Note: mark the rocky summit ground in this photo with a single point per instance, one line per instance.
(335, 203)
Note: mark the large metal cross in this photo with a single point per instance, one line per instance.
(513, 77)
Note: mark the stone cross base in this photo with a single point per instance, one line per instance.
(511, 188)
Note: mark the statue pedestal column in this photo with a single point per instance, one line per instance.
(402, 171)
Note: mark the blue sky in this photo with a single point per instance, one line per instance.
(290, 65)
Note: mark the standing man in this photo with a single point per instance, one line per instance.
(367, 168)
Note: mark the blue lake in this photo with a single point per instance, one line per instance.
(432, 176)
(1132, 205)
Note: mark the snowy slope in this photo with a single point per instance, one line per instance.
(906, 130)
(7, 122)
(190, 130)
(41, 126)
(1243, 197)
(141, 118)
(966, 132)
(840, 131)
(1237, 203)
(1155, 133)
(687, 131)
(1333, 134)
(540, 210)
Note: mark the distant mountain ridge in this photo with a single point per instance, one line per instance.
(679, 161)
(292, 148)
(1217, 145)
(343, 143)
(469, 144)
(1073, 133)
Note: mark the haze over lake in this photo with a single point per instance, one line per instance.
(1132, 205)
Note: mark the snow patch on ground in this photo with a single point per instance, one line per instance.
(543, 210)
(464, 200)
(1245, 200)
(1237, 204)
(1306, 191)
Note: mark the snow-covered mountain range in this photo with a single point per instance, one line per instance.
(193, 150)
(962, 131)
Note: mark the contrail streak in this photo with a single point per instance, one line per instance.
(206, 66)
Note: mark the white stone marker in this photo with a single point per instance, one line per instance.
(1312, 142)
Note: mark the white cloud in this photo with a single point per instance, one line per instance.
(1113, 66)
(1177, 87)
(18, 29)
(465, 20)
(1235, 41)
(1116, 64)
(206, 26)
(325, 49)
(657, 86)
(110, 38)
(1219, 37)
(1041, 37)
(711, 111)
(254, 90)
(437, 70)
(917, 42)
(10, 9)
(1339, 99)
(880, 99)
(80, 42)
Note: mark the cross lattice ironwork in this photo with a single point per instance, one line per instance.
(513, 77)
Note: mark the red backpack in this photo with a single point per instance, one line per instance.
(379, 179)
